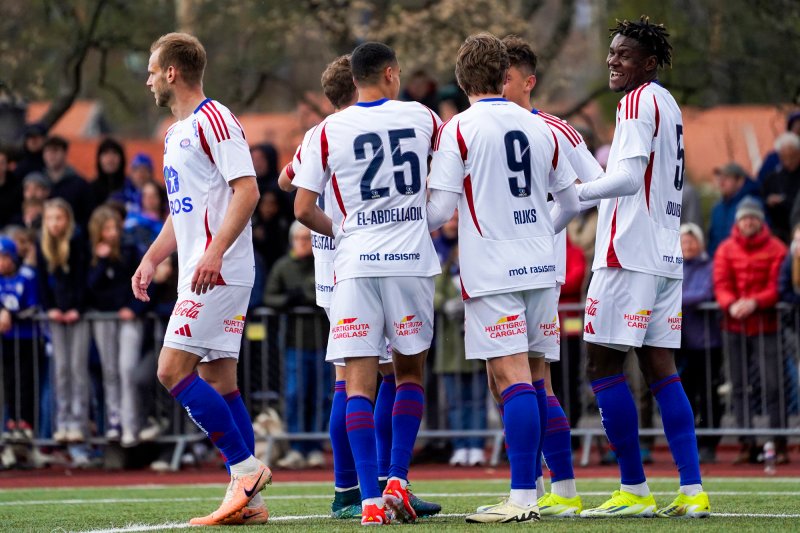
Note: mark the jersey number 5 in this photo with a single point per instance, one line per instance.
(399, 159)
(681, 167)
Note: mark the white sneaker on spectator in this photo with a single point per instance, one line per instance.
(8, 458)
(113, 434)
(75, 435)
(292, 460)
(129, 439)
(476, 457)
(315, 459)
(459, 457)
(152, 430)
(61, 435)
(159, 466)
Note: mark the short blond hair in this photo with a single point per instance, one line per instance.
(184, 52)
(482, 64)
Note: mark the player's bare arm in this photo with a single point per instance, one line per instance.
(164, 245)
(308, 212)
(284, 181)
(243, 204)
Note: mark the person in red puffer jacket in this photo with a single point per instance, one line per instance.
(746, 267)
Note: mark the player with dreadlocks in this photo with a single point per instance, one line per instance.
(634, 299)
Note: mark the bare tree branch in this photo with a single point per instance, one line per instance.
(110, 87)
(73, 69)
(561, 31)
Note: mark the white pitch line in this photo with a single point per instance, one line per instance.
(93, 501)
(181, 525)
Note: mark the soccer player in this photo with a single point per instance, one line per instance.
(206, 161)
(494, 161)
(634, 299)
(337, 84)
(563, 501)
(374, 154)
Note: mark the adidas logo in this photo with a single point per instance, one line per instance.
(589, 329)
(184, 331)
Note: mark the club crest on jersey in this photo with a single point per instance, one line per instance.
(171, 180)
(186, 143)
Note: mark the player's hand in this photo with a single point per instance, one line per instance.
(141, 280)
(207, 271)
(71, 316)
(126, 314)
(55, 315)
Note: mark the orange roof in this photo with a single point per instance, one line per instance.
(716, 136)
(77, 122)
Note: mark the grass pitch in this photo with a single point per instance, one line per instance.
(740, 505)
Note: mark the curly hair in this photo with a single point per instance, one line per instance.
(651, 37)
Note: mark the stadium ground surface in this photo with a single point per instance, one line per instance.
(738, 503)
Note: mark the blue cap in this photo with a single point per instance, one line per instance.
(8, 247)
(142, 160)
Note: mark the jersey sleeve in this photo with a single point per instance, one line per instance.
(562, 174)
(635, 124)
(313, 173)
(436, 124)
(294, 166)
(449, 159)
(223, 140)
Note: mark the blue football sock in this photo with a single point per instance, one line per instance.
(361, 433)
(521, 422)
(242, 419)
(406, 418)
(384, 404)
(344, 467)
(621, 423)
(678, 421)
(210, 412)
(557, 444)
(541, 402)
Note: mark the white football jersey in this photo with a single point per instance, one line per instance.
(572, 146)
(202, 154)
(322, 246)
(499, 157)
(375, 154)
(641, 232)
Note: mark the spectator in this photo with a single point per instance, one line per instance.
(307, 376)
(772, 162)
(446, 239)
(32, 145)
(65, 182)
(746, 269)
(143, 225)
(17, 307)
(36, 186)
(10, 192)
(265, 163)
(734, 184)
(131, 193)
(700, 357)
(110, 171)
(118, 340)
(62, 268)
(780, 189)
(789, 278)
(464, 381)
(270, 230)
(690, 205)
(789, 291)
(25, 240)
(421, 88)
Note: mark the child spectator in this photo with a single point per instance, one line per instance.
(17, 306)
(61, 268)
(119, 339)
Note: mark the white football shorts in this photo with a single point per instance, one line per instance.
(387, 357)
(498, 325)
(209, 325)
(555, 355)
(630, 309)
(368, 312)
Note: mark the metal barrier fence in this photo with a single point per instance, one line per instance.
(744, 387)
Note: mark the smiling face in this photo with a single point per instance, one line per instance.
(629, 66)
(157, 81)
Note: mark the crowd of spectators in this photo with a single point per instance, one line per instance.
(70, 244)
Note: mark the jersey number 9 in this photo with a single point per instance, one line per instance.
(518, 157)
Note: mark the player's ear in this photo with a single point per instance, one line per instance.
(171, 73)
(651, 63)
(530, 83)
